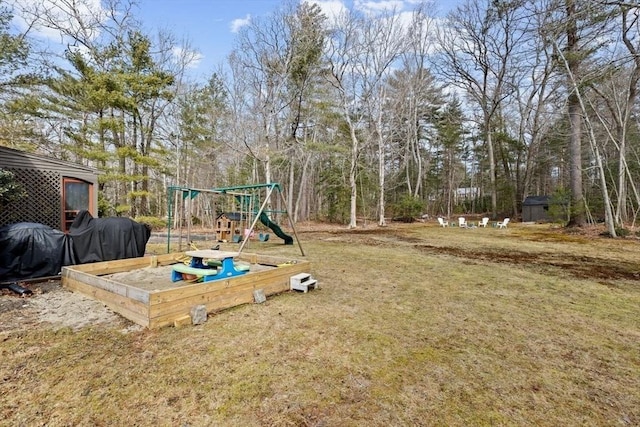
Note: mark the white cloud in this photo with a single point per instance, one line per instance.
(335, 8)
(236, 24)
(374, 7)
(190, 58)
(406, 19)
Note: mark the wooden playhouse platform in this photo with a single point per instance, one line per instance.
(157, 302)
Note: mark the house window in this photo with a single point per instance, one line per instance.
(76, 196)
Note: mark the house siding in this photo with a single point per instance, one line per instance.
(42, 179)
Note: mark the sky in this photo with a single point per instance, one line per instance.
(211, 25)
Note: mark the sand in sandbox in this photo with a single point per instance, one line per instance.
(159, 278)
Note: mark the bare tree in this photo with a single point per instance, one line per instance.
(265, 58)
(573, 66)
(345, 48)
(412, 96)
(384, 38)
(360, 52)
(478, 44)
(539, 101)
(578, 31)
(619, 93)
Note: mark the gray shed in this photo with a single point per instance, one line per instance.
(535, 208)
(56, 190)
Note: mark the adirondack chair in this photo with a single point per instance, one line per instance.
(442, 222)
(503, 223)
(484, 222)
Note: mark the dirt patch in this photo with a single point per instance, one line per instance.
(373, 236)
(52, 305)
(583, 267)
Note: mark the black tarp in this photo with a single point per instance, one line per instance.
(106, 239)
(30, 250)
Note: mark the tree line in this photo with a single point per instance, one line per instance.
(359, 115)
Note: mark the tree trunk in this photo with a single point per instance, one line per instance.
(492, 168)
(352, 178)
(381, 221)
(577, 214)
(290, 209)
(301, 192)
(353, 169)
(381, 164)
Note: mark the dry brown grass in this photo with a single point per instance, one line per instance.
(413, 325)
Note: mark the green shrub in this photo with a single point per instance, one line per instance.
(11, 191)
(105, 208)
(122, 209)
(622, 232)
(407, 207)
(559, 205)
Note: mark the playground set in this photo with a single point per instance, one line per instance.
(202, 279)
(237, 225)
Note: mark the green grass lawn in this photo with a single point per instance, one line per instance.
(413, 325)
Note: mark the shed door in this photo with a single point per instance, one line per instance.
(76, 196)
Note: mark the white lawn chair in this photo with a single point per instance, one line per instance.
(442, 222)
(484, 222)
(503, 224)
(462, 223)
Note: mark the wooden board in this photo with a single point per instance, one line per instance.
(110, 286)
(118, 266)
(166, 305)
(133, 310)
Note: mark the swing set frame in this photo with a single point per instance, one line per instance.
(184, 195)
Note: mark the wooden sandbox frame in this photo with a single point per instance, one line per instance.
(172, 307)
